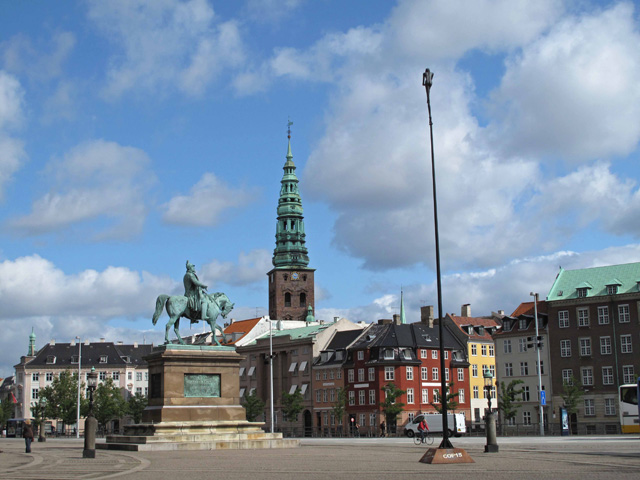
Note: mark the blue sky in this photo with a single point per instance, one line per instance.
(135, 135)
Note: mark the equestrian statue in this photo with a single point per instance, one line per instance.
(196, 304)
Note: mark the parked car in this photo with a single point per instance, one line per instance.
(456, 424)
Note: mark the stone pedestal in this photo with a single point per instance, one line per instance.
(189, 383)
(194, 404)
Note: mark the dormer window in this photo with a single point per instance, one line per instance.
(612, 289)
(126, 359)
(523, 324)
(104, 358)
(339, 355)
(582, 292)
(74, 359)
(480, 331)
(51, 359)
(507, 326)
(388, 354)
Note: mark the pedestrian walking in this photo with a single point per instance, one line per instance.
(382, 430)
(27, 433)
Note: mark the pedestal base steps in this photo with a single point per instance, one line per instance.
(196, 436)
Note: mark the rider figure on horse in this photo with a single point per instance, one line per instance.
(195, 291)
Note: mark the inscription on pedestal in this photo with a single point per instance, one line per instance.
(199, 385)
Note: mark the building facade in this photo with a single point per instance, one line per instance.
(594, 337)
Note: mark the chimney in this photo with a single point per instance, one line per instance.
(384, 321)
(52, 342)
(102, 340)
(426, 315)
(396, 319)
(87, 342)
(501, 312)
(135, 344)
(465, 311)
(232, 321)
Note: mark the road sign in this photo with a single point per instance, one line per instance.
(543, 397)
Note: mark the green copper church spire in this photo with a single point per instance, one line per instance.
(290, 248)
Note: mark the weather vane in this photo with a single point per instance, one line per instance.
(289, 123)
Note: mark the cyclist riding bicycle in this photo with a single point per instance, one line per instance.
(423, 428)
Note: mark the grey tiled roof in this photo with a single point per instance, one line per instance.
(116, 355)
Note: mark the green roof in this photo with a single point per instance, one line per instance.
(595, 280)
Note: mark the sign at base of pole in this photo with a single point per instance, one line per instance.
(446, 455)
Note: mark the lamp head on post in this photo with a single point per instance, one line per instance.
(488, 385)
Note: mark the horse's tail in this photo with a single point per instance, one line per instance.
(160, 302)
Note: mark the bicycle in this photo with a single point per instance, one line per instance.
(428, 438)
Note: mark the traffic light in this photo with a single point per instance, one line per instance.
(534, 342)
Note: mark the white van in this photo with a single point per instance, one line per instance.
(456, 423)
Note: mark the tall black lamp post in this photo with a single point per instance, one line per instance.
(90, 424)
(490, 418)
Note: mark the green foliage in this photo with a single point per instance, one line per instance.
(340, 405)
(136, 405)
(38, 412)
(451, 396)
(390, 407)
(507, 404)
(571, 393)
(292, 405)
(61, 397)
(108, 402)
(253, 405)
(6, 410)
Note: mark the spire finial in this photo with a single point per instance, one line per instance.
(289, 123)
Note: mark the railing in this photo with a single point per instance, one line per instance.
(533, 429)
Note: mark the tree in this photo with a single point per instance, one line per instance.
(6, 410)
(572, 391)
(389, 406)
(136, 405)
(450, 397)
(253, 405)
(507, 404)
(108, 403)
(292, 405)
(61, 397)
(340, 406)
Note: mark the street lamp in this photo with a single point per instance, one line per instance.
(79, 386)
(90, 423)
(538, 344)
(490, 419)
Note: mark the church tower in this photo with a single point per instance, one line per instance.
(291, 284)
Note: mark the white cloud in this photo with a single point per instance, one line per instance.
(97, 180)
(249, 269)
(574, 92)
(165, 43)
(270, 11)
(12, 154)
(206, 204)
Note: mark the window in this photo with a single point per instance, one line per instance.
(492, 369)
(523, 324)
(582, 292)
(563, 319)
(627, 374)
(372, 397)
(409, 373)
(508, 369)
(526, 396)
(446, 354)
(476, 392)
(102, 376)
(483, 350)
(603, 315)
(461, 395)
(425, 395)
(51, 359)
(325, 395)
(446, 374)
(474, 370)
(583, 317)
(360, 354)
(372, 374)
(352, 397)
(567, 376)
(292, 368)
(434, 354)
(75, 359)
(252, 371)
(410, 398)
(324, 375)
(146, 376)
(522, 345)
(139, 391)
(104, 359)
(589, 407)
(115, 375)
(541, 372)
(35, 377)
(524, 368)
(607, 375)
(361, 374)
(129, 375)
(49, 377)
(332, 374)
(507, 346)
(318, 395)
(460, 375)
(565, 348)
(363, 419)
(424, 373)
(623, 314)
(436, 395)
(373, 417)
(434, 374)
(609, 406)
(423, 353)
(388, 354)
(303, 299)
(361, 396)
(350, 375)
(625, 344)
(605, 345)
(303, 367)
(138, 376)
(474, 349)
(526, 418)
(34, 393)
(332, 395)
(585, 347)
(287, 299)
(389, 373)
(587, 376)
(612, 289)
(491, 351)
